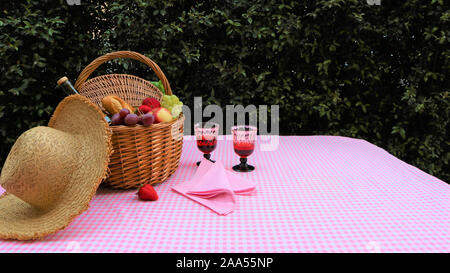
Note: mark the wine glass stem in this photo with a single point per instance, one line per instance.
(243, 164)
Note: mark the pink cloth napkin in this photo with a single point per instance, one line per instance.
(215, 188)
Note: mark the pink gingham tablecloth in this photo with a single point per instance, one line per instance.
(314, 194)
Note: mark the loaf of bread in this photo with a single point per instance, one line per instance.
(113, 104)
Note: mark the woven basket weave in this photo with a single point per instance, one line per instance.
(141, 155)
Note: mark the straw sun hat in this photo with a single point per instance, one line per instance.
(52, 173)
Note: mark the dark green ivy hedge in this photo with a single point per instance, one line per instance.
(335, 67)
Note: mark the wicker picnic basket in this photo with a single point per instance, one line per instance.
(141, 155)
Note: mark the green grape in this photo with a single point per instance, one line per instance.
(166, 102)
(166, 98)
(170, 101)
(176, 110)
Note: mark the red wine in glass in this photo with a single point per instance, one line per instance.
(207, 144)
(206, 134)
(244, 149)
(244, 138)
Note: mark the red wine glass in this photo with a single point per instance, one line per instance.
(206, 135)
(244, 138)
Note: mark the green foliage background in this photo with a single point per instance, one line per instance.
(335, 67)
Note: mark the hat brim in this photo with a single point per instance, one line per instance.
(85, 121)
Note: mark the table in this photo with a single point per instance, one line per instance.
(314, 194)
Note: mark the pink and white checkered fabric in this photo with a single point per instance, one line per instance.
(314, 194)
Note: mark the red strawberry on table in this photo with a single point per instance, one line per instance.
(147, 192)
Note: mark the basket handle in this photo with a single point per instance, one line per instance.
(87, 71)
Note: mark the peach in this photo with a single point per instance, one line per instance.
(162, 115)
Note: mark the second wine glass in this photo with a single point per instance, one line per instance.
(206, 134)
(244, 138)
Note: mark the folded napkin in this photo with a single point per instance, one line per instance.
(214, 187)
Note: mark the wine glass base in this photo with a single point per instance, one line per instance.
(239, 168)
(198, 162)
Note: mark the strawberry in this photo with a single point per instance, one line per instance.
(151, 102)
(144, 108)
(147, 192)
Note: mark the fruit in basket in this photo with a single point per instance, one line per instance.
(162, 115)
(170, 102)
(147, 192)
(145, 108)
(148, 119)
(124, 112)
(131, 119)
(113, 104)
(151, 102)
(177, 110)
(116, 119)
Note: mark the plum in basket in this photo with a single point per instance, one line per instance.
(148, 119)
(124, 112)
(131, 119)
(116, 119)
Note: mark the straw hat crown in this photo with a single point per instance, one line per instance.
(40, 165)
